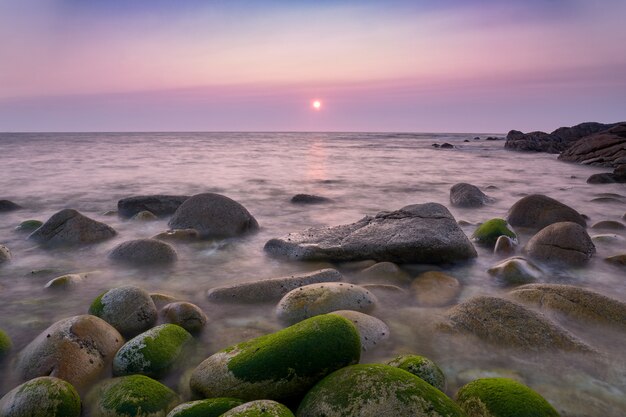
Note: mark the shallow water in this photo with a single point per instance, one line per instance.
(362, 173)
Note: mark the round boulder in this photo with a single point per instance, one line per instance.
(145, 216)
(435, 289)
(144, 252)
(537, 211)
(259, 408)
(467, 195)
(45, 396)
(371, 329)
(129, 309)
(421, 367)
(384, 273)
(561, 243)
(211, 407)
(504, 246)
(516, 271)
(186, 315)
(69, 227)
(314, 299)
(609, 225)
(376, 390)
(213, 215)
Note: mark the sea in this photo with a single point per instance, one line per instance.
(363, 173)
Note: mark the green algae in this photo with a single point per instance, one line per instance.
(29, 225)
(261, 408)
(502, 397)
(489, 232)
(211, 407)
(42, 397)
(421, 367)
(97, 307)
(5, 343)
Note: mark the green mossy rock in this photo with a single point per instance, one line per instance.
(45, 396)
(421, 367)
(5, 343)
(152, 353)
(376, 390)
(280, 365)
(131, 396)
(489, 232)
(29, 225)
(129, 309)
(260, 408)
(212, 407)
(502, 397)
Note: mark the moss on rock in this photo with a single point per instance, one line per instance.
(502, 397)
(489, 232)
(280, 365)
(29, 225)
(45, 396)
(421, 367)
(376, 390)
(260, 408)
(131, 396)
(211, 407)
(152, 353)
(5, 343)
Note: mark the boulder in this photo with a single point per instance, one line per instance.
(309, 199)
(376, 390)
(65, 282)
(516, 271)
(609, 225)
(211, 407)
(561, 243)
(259, 408)
(421, 367)
(159, 205)
(178, 235)
(603, 148)
(281, 365)
(371, 329)
(502, 397)
(315, 299)
(270, 290)
(145, 216)
(617, 260)
(5, 254)
(419, 233)
(508, 324)
(384, 273)
(29, 226)
(447, 145)
(77, 349)
(6, 206)
(129, 309)
(605, 178)
(467, 195)
(5, 344)
(213, 216)
(151, 353)
(435, 289)
(161, 300)
(578, 303)
(69, 227)
(488, 233)
(45, 396)
(537, 211)
(133, 395)
(144, 252)
(505, 246)
(186, 315)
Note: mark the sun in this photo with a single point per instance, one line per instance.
(317, 105)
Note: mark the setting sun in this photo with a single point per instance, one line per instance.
(317, 104)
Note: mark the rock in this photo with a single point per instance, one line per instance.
(609, 225)
(309, 199)
(5, 254)
(213, 215)
(77, 349)
(152, 353)
(561, 243)
(270, 290)
(516, 271)
(466, 140)
(315, 299)
(537, 211)
(619, 260)
(28, 225)
(606, 238)
(64, 282)
(420, 233)
(436, 145)
(211, 407)
(41, 397)
(493, 138)
(605, 178)
(421, 367)
(69, 227)
(161, 300)
(575, 302)
(178, 235)
(507, 324)
(144, 252)
(145, 216)
(371, 329)
(159, 205)
(384, 272)
(259, 408)
(186, 315)
(489, 232)
(133, 395)
(435, 289)
(280, 365)
(467, 195)
(129, 309)
(477, 138)
(5, 344)
(447, 146)
(502, 397)
(505, 246)
(376, 390)
(602, 148)
(6, 206)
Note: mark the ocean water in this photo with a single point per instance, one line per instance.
(363, 173)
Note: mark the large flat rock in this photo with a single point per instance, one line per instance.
(419, 233)
(600, 149)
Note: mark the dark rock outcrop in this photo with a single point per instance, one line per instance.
(159, 205)
(69, 227)
(606, 148)
(555, 142)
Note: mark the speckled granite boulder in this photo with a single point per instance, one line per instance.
(467, 195)
(129, 309)
(259, 408)
(144, 252)
(421, 367)
(372, 330)
(45, 396)
(69, 227)
(537, 211)
(186, 315)
(565, 243)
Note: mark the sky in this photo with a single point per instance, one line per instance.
(412, 66)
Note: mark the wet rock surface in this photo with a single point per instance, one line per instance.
(69, 227)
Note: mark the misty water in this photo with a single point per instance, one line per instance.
(363, 174)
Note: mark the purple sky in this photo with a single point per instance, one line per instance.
(445, 66)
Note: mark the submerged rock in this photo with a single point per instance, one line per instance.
(145, 216)
(144, 252)
(376, 390)
(211, 407)
(384, 273)
(371, 329)
(537, 211)
(280, 365)
(315, 299)
(309, 199)
(619, 260)
(77, 349)
(129, 309)
(69, 227)
(502, 397)
(505, 246)
(609, 225)
(64, 282)
(435, 289)
(467, 195)
(419, 233)
(5, 254)
(489, 232)
(270, 289)
(28, 225)
(259, 408)
(159, 205)
(421, 367)
(516, 271)
(561, 243)
(45, 396)
(505, 323)
(178, 235)
(213, 215)
(7, 205)
(186, 315)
